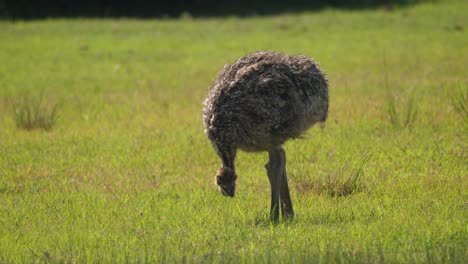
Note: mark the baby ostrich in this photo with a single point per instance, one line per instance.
(256, 104)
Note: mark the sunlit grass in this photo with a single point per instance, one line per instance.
(127, 175)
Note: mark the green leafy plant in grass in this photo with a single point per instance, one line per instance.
(405, 117)
(460, 101)
(346, 180)
(33, 112)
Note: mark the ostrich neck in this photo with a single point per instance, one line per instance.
(227, 158)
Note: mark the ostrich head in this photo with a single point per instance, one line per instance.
(226, 180)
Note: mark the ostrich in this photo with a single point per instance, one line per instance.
(256, 104)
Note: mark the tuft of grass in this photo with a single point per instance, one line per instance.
(33, 112)
(460, 101)
(405, 117)
(347, 180)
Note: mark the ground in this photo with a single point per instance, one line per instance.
(126, 173)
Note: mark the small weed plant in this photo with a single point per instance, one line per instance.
(402, 117)
(33, 112)
(346, 180)
(460, 101)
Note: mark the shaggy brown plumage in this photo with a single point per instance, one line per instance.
(256, 104)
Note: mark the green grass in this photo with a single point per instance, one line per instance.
(127, 175)
(460, 101)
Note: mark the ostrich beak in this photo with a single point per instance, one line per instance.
(228, 190)
(226, 181)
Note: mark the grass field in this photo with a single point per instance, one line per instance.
(125, 174)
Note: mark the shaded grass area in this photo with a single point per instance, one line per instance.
(184, 9)
(126, 174)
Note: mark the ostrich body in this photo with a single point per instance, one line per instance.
(256, 104)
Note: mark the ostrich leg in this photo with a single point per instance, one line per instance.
(274, 168)
(286, 203)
